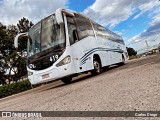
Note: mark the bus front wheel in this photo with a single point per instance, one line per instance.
(97, 67)
(67, 80)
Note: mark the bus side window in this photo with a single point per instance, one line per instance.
(84, 26)
(72, 30)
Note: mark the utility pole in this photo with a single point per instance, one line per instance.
(147, 43)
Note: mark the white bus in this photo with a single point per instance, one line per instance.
(66, 44)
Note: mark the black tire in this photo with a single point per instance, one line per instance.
(97, 67)
(67, 80)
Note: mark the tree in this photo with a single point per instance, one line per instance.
(2, 53)
(24, 25)
(6, 49)
(131, 51)
(10, 60)
(2, 73)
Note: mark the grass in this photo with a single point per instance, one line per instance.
(14, 88)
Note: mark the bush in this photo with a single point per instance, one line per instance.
(133, 57)
(14, 88)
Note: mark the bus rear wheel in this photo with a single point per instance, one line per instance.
(97, 67)
(67, 80)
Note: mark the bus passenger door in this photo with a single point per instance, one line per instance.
(82, 42)
(73, 38)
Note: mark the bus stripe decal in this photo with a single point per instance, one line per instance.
(101, 49)
(84, 58)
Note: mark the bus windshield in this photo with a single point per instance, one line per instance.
(44, 35)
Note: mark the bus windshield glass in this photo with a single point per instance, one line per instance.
(44, 35)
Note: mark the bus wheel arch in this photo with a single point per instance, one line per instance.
(97, 66)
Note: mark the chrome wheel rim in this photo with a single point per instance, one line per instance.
(96, 66)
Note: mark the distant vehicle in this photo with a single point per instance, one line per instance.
(66, 44)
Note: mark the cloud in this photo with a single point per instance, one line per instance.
(151, 35)
(155, 20)
(112, 12)
(13, 10)
(146, 7)
(118, 32)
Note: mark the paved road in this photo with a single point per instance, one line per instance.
(134, 86)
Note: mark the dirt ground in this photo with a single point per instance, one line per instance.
(134, 86)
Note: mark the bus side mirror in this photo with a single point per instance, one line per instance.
(58, 15)
(17, 38)
(75, 35)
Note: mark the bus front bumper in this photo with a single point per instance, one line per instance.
(44, 76)
(51, 74)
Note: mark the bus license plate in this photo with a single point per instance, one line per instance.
(45, 76)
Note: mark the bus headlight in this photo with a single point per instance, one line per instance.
(66, 60)
(30, 73)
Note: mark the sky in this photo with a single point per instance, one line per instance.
(137, 21)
